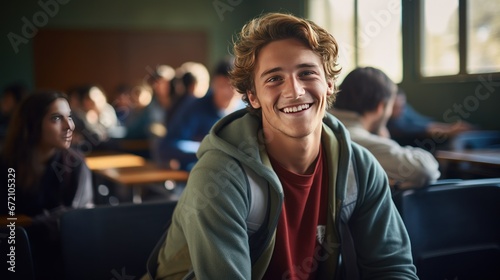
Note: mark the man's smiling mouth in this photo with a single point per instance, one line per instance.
(295, 109)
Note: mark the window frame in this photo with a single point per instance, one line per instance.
(462, 75)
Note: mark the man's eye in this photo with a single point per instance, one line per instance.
(273, 79)
(307, 73)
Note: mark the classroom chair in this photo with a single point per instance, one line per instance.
(112, 241)
(454, 229)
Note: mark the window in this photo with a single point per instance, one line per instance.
(460, 37)
(368, 32)
(483, 40)
(440, 38)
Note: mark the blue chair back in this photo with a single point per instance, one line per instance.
(454, 229)
(112, 241)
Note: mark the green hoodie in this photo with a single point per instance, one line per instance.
(208, 234)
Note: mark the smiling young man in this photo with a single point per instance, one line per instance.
(286, 68)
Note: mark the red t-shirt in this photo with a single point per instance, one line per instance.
(302, 223)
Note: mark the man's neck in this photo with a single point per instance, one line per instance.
(370, 122)
(296, 155)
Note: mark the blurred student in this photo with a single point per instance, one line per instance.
(94, 116)
(122, 102)
(201, 74)
(50, 177)
(364, 104)
(161, 83)
(184, 98)
(192, 124)
(138, 121)
(161, 80)
(406, 126)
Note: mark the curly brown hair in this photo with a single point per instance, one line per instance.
(278, 26)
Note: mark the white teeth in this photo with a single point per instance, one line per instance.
(296, 108)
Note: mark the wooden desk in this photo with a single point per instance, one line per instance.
(484, 162)
(138, 176)
(117, 160)
(487, 157)
(134, 145)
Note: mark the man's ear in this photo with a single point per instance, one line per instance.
(254, 101)
(331, 87)
(380, 108)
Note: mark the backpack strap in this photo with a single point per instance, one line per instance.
(258, 215)
(351, 196)
(348, 267)
(259, 200)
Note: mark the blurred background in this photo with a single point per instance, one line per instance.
(55, 44)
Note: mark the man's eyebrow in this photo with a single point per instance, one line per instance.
(307, 65)
(276, 69)
(272, 70)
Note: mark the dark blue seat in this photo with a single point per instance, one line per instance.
(112, 241)
(454, 229)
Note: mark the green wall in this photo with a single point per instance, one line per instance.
(221, 19)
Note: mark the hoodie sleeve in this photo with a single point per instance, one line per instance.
(212, 217)
(380, 237)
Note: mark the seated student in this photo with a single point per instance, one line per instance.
(406, 126)
(138, 120)
(122, 102)
(50, 177)
(285, 68)
(184, 98)
(192, 124)
(162, 82)
(364, 104)
(95, 118)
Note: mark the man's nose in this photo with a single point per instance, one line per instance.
(293, 88)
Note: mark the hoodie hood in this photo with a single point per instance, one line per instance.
(235, 135)
(240, 136)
